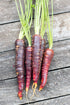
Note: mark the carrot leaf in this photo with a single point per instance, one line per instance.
(25, 19)
(44, 18)
(37, 16)
(50, 27)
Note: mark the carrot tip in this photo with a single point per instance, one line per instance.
(16, 73)
(40, 88)
(20, 95)
(26, 91)
(20, 98)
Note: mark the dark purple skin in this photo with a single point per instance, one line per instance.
(42, 51)
(19, 65)
(36, 57)
(48, 55)
(28, 66)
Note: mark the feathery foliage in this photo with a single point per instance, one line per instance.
(25, 19)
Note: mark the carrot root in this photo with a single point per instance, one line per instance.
(34, 86)
(19, 65)
(48, 55)
(36, 57)
(28, 67)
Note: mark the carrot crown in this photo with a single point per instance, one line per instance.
(25, 19)
(50, 26)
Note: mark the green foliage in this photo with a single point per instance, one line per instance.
(50, 26)
(41, 19)
(44, 15)
(45, 21)
(25, 19)
(37, 16)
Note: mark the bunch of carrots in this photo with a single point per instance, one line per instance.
(35, 57)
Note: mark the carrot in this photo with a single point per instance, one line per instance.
(19, 59)
(28, 21)
(20, 48)
(48, 55)
(38, 40)
(28, 66)
(43, 28)
(19, 65)
(36, 57)
(42, 49)
(36, 45)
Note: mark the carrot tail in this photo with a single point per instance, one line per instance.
(34, 86)
(45, 67)
(20, 94)
(28, 67)
(19, 65)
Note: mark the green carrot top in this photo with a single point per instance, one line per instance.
(25, 19)
(44, 14)
(41, 17)
(37, 16)
(45, 21)
(49, 25)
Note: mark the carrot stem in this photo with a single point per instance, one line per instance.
(44, 13)
(50, 29)
(37, 16)
(25, 19)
